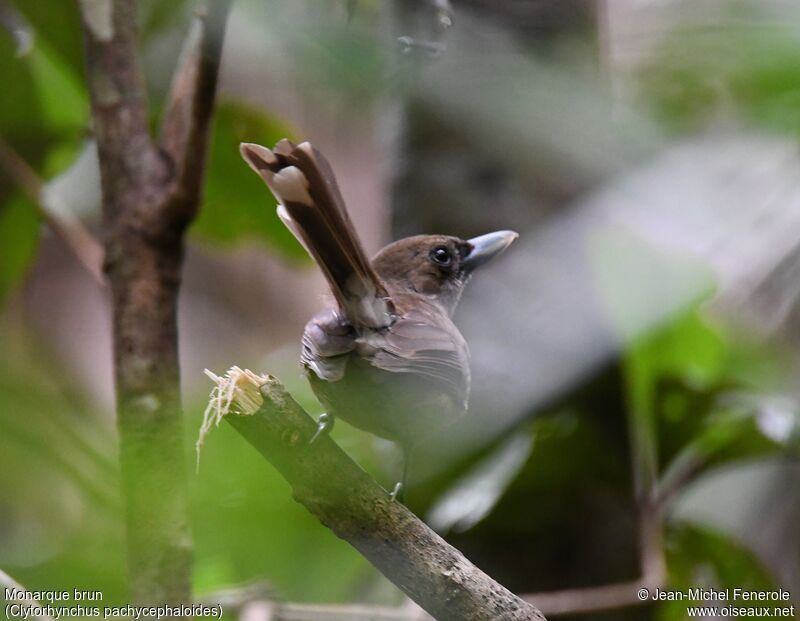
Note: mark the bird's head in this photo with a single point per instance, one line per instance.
(438, 266)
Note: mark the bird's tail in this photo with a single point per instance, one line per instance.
(312, 208)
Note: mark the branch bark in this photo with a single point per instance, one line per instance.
(349, 502)
(150, 195)
(183, 137)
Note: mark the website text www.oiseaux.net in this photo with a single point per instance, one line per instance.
(727, 603)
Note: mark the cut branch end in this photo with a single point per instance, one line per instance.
(237, 392)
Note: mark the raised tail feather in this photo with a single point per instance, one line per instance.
(312, 208)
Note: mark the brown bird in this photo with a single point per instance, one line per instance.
(387, 358)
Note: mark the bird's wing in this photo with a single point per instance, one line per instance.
(429, 345)
(327, 339)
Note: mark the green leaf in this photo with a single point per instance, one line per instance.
(668, 373)
(702, 557)
(238, 206)
(58, 24)
(695, 386)
(737, 427)
(688, 347)
(20, 111)
(19, 236)
(62, 96)
(49, 108)
(756, 75)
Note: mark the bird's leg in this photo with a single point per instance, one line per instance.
(399, 491)
(324, 425)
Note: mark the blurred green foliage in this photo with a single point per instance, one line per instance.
(702, 387)
(47, 113)
(700, 557)
(348, 62)
(238, 207)
(247, 526)
(60, 512)
(745, 70)
(19, 236)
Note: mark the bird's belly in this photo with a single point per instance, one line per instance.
(402, 407)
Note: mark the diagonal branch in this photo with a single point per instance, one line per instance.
(596, 599)
(349, 502)
(7, 582)
(71, 231)
(186, 126)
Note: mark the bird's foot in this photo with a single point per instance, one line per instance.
(398, 493)
(324, 426)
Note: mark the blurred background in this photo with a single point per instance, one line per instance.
(635, 410)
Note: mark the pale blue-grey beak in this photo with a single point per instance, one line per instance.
(486, 247)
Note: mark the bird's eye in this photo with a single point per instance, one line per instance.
(441, 255)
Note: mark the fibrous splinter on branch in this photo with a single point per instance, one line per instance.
(237, 391)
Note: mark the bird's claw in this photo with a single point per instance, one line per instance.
(398, 493)
(324, 426)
